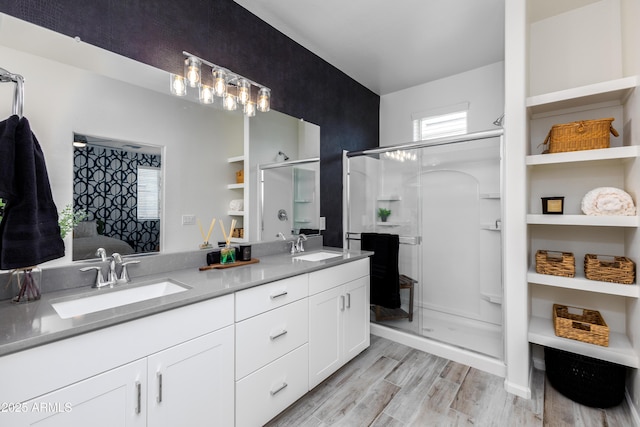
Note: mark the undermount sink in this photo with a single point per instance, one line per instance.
(317, 256)
(115, 298)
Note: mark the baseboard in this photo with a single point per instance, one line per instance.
(518, 390)
(457, 354)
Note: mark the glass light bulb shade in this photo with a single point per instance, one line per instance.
(178, 85)
(244, 91)
(230, 102)
(264, 99)
(219, 82)
(192, 71)
(250, 109)
(205, 94)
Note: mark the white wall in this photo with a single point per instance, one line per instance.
(482, 88)
(576, 48)
(61, 99)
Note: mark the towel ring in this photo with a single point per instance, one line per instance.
(18, 94)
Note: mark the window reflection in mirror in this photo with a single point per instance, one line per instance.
(118, 184)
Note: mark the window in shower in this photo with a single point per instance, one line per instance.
(439, 125)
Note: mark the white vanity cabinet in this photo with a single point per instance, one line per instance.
(172, 368)
(271, 349)
(338, 317)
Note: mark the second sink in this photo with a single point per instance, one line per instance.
(318, 256)
(115, 298)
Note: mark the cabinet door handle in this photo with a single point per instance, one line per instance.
(281, 294)
(278, 334)
(138, 397)
(348, 300)
(279, 389)
(159, 375)
(341, 302)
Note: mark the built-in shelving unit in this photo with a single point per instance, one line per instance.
(564, 173)
(241, 187)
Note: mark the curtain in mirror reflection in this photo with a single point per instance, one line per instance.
(105, 186)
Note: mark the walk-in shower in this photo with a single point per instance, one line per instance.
(443, 198)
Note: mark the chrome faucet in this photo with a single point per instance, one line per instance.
(124, 274)
(116, 259)
(281, 235)
(299, 246)
(102, 254)
(100, 282)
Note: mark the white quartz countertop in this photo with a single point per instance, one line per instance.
(23, 326)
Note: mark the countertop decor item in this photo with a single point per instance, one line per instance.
(581, 135)
(205, 238)
(27, 281)
(608, 201)
(234, 264)
(228, 254)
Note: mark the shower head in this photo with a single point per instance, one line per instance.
(499, 120)
(280, 153)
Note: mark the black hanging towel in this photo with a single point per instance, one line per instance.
(385, 283)
(29, 231)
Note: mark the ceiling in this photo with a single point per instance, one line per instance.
(390, 46)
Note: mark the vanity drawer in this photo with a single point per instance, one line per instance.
(268, 391)
(328, 278)
(251, 302)
(264, 338)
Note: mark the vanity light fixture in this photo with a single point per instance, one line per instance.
(178, 85)
(192, 71)
(233, 88)
(80, 141)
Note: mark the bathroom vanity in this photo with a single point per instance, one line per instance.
(236, 348)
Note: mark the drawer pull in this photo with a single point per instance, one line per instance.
(159, 397)
(348, 300)
(281, 294)
(138, 397)
(279, 334)
(341, 302)
(279, 389)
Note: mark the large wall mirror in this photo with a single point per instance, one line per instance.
(75, 88)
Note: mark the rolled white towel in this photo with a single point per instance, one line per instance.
(236, 205)
(608, 201)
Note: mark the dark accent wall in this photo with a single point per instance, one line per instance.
(302, 84)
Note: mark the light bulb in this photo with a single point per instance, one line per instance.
(192, 71)
(264, 99)
(206, 94)
(219, 82)
(250, 109)
(178, 85)
(244, 91)
(230, 102)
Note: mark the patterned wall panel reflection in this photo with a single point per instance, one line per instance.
(105, 186)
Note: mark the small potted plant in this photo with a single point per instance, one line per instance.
(383, 214)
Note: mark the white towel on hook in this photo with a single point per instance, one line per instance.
(608, 201)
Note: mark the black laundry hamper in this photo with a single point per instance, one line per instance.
(588, 381)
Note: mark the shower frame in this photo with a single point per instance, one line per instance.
(442, 349)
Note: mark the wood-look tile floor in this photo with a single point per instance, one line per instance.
(393, 385)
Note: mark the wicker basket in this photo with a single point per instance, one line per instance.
(562, 265)
(582, 135)
(617, 269)
(583, 379)
(580, 324)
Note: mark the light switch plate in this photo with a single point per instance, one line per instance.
(188, 219)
